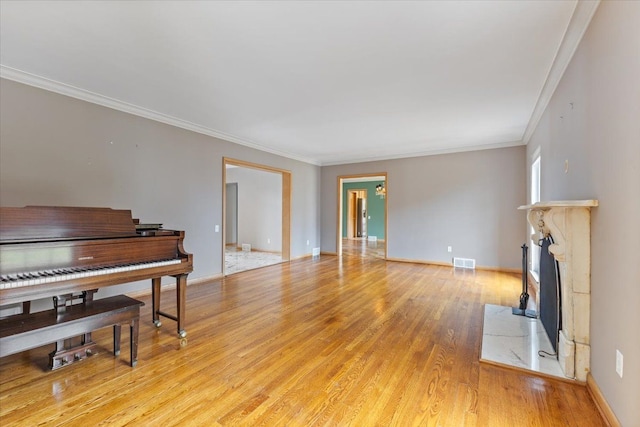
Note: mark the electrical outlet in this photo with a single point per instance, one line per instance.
(217, 228)
(307, 243)
(619, 363)
(268, 240)
(449, 249)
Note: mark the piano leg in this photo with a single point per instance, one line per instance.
(155, 297)
(181, 298)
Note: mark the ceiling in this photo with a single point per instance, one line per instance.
(322, 82)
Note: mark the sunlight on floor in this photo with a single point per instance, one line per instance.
(236, 260)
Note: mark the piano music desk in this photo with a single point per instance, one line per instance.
(30, 330)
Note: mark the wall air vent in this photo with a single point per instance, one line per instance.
(246, 247)
(464, 263)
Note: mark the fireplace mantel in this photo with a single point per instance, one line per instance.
(569, 224)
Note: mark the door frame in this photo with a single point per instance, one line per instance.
(286, 203)
(340, 206)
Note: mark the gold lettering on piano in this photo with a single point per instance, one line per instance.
(82, 258)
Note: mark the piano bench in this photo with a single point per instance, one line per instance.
(22, 332)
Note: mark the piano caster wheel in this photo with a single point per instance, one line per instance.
(183, 342)
(182, 333)
(157, 323)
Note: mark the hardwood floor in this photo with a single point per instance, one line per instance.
(363, 248)
(357, 341)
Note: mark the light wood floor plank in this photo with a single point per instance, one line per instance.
(358, 341)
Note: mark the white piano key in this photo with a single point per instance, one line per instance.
(59, 275)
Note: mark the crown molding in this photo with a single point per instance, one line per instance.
(95, 98)
(578, 25)
(433, 152)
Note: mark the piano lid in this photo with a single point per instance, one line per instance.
(46, 223)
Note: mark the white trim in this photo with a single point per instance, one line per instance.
(433, 152)
(578, 25)
(95, 98)
(364, 179)
(535, 154)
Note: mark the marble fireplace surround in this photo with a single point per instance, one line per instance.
(569, 224)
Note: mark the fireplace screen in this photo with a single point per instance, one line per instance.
(550, 301)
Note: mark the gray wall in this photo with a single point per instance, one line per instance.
(600, 137)
(465, 200)
(57, 150)
(231, 215)
(259, 208)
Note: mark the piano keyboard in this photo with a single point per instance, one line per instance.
(9, 281)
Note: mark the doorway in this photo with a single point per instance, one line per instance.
(362, 216)
(357, 214)
(256, 216)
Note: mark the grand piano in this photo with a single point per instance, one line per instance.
(53, 251)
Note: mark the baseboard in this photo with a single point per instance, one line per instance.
(448, 264)
(299, 257)
(420, 261)
(500, 269)
(204, 279)
(266, 251)
(602, 405)
(329, 253)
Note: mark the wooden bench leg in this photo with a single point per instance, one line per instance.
(116, 339)
(133, 338)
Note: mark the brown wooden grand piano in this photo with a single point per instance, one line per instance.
(52, 251)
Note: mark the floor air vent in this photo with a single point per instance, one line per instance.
(464, 263)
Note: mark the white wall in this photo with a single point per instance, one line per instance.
(259, 207)
(593, 121)
(57, 150)
(465, 200)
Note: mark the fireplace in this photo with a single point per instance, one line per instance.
(568, 224)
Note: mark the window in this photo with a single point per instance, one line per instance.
(534, 198)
